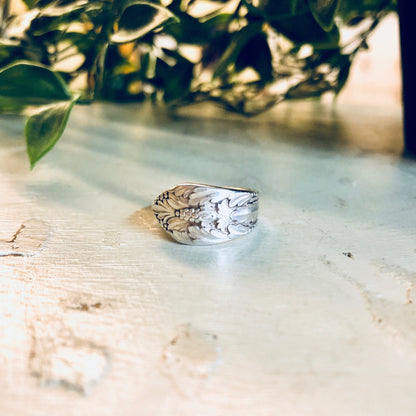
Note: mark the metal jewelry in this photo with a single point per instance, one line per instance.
(199, 214)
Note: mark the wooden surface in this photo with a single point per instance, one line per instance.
(314, 313)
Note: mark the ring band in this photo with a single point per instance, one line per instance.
(199, 214)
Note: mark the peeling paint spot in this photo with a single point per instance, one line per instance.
(340, 202)
(87, 303)
(345, 180)
(67, 361)
(86, 307)
(405, 277)
(394, 316)
(190, 358)
(27, 240)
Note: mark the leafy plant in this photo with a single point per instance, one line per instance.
(246, 55)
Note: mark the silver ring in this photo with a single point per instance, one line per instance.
(199, 214)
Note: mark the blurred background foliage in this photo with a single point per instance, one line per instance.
(246, 55)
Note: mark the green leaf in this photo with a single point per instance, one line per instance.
(188, 30)
(303, 28)
(324, 11)
(27, 81)
(44, 128)
(356, 9)
(175, 80)
(9, 52)
(138, 19)
(256, 54)
(312, 87)
(276, 9)
(60, 9)
(218, 22)
(30, 3)
(238, 42)
(344, 71)
(13, 106)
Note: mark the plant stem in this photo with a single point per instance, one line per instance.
(100, 65)
(96, 74)
(4, 14)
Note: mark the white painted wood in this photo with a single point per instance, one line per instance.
(314, 313)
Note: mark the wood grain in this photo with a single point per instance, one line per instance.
(102, 314)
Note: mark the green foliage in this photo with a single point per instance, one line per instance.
(23, 84)
(238, 42)
(30, 83)
(44, 128)
(324, 12)
(246, 55)
(139, 18)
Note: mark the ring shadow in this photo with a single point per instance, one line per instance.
(144, 220)
(221, 256)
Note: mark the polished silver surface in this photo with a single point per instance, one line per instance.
(199, 214)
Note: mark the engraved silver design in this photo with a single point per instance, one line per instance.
(199, 214)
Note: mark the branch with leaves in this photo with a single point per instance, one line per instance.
(246, 55)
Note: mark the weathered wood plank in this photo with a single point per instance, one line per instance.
(313, 313)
